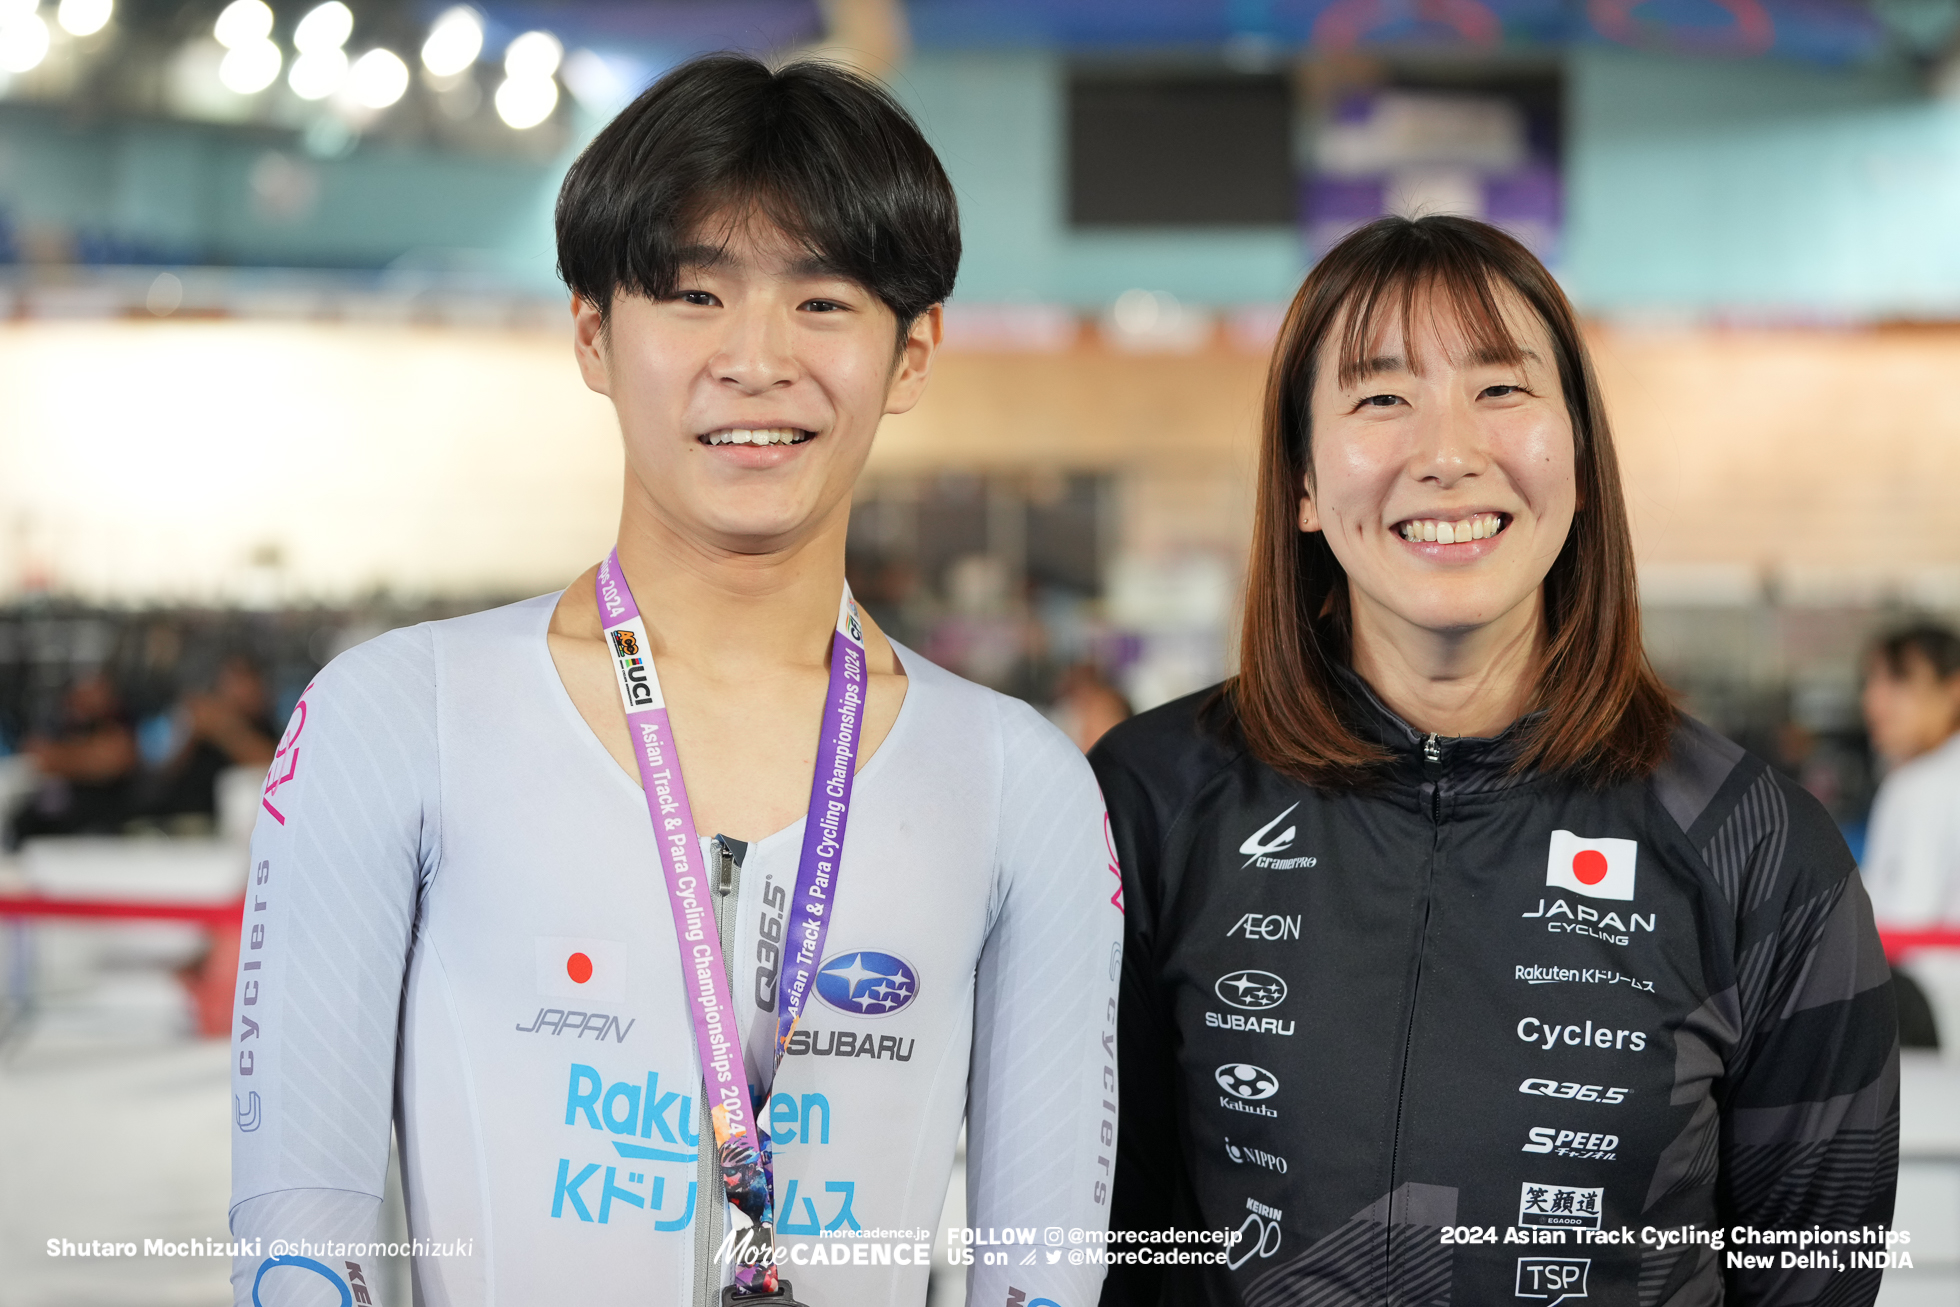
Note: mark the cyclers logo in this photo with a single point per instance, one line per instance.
(1258, 849)
(1251, 991)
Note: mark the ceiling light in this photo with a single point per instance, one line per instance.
(534, 54)
(325, 27)
(378, 78)
(524, 102)
(84, 17)
(454, 42)
(250, 68)
(23, 43)
(242, 23)
(317, 74)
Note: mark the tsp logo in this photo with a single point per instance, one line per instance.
(1552, 1280)
(1243, 1080)
(1251, 991)
(867, 984)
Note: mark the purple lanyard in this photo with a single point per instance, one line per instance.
(742, 1145)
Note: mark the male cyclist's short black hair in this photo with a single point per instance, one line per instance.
(825, 155)
(1927, 642)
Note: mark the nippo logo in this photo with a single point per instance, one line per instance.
(1599, 869)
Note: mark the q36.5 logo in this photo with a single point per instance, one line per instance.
(1243, 1080)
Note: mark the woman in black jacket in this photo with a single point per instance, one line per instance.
(1461, 967)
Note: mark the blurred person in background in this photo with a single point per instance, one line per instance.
(505, 903)
(228, 725)
(1440, 914)
(88, 767)
(1912, 844)
(1087, 704)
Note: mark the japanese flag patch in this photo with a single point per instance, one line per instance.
(575, 969)
(1599, 869)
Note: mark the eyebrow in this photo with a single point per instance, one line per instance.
(707, 258)
(1386, 363)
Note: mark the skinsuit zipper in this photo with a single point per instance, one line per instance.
(710, 1209)
(1432, 789)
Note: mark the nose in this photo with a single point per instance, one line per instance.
(755, 354)
(1449, 446)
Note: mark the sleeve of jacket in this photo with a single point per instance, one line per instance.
(344, 840)
(1152, 1190)
(1810, 1108)
(1042, 1099)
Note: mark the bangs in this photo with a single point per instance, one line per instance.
(1431, 280)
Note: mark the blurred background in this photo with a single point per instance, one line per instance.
(284, 364)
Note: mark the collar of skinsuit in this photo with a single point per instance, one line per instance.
(1456, 764)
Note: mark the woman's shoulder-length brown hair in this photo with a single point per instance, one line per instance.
(1600, 713)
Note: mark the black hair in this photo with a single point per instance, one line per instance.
(1936, 646)
(824, 154)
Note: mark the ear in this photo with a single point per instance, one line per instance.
(1309, 511)
(590, 343)
(915, 357)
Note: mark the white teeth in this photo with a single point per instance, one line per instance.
(1480, 527)
(765, 436)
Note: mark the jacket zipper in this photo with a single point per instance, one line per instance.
(1432, 753)
(710, 1210)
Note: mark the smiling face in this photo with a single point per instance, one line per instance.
(1443, 473)
(749, 398)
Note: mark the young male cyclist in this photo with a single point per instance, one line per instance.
(676, 920)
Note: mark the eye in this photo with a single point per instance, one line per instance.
(1380, 401)
(1501, 392)
(824, 306)
(699, 298)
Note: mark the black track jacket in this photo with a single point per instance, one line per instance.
(1389, 1035)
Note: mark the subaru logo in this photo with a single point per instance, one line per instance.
(867, 984)
(1242, 1080)
(1251, 991)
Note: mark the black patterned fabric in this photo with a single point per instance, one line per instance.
(1384, 1035)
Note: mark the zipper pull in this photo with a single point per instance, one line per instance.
(725, 866)
(1432, 748)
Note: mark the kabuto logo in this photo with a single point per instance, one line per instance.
(1258, 849)
(1599, 869)
(1243, 1080)
(1250, 991)
(867, 984)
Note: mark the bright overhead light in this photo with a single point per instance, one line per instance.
(454, 42)
(325, 27)
(242, 23)
(317, 74)
(84, 17)
(524, 102)
(534, 54)
(23, 43)
(378, 78)
(14, 9)
(250, 68)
